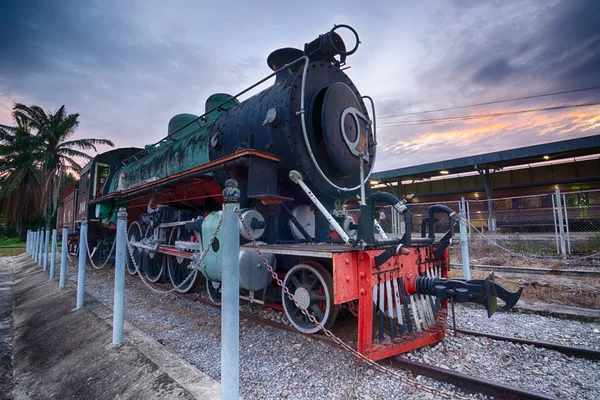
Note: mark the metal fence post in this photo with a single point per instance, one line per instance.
(63, 256)
(555, 224)
(464, 241)
(561, 227)
(82, 262)
(53, 254)
(46, 248)
(230, 288)
(121, 253)
(568, 232)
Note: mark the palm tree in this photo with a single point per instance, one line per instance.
(58, 154)
(20, 189)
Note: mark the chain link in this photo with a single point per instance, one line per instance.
(338, 341)
(192, 272)
(87, 244)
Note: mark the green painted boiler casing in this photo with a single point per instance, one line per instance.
(183, 149)
(171, 156)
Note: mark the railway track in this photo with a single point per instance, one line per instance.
(580, 352)
(593, 272)
(460, 380)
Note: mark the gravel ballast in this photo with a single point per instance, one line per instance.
(278, 364)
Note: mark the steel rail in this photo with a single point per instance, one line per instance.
(534, 271)
(468, 382)
(580, 352)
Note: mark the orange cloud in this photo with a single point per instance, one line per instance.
(569, 123)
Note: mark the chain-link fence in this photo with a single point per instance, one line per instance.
(541, 225)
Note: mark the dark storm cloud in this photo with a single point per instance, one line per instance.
(494, 73)
(124, 81)
(490, 51)
(563, 51)
(537, 47)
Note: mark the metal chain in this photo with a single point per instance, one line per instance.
(192, 272)
(528, 257)
(338, 341)
(87, 244)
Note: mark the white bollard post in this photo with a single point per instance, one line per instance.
(53, 254)
(230, 302)
(46, 248)
(32, 244)
(82, 263)
(464, 240)
(40, 248)
(63, 256)
(120, 260)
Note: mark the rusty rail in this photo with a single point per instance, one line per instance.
(581, 352)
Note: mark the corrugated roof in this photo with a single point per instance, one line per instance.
(523, 155)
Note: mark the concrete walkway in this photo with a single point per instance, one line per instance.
(63, 353)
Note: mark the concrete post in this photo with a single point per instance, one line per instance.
(33, 237)
(40, 248)
(561, 225)
(230, 288)
(121, 253)
(63, 256)
(53, 254)
(464, 240)
(27, 242)
(82, 262)
(46, 248)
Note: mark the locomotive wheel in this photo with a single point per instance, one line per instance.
(72, 247)
(214, 291)
(134, 234)
(153, 263)
(178, 266)
(312, 286)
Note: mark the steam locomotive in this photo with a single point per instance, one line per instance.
(300, 150)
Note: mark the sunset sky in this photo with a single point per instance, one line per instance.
(127, 67)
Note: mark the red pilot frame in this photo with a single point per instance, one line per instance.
(392, 318)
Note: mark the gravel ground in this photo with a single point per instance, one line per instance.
(529, 326)
(276, 364)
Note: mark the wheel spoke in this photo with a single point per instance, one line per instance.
(316, 310)
(304, 277)
(295, 281)
(313, 285)
(317, 297)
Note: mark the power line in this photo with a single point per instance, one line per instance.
(490, 115)
(491, 102)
